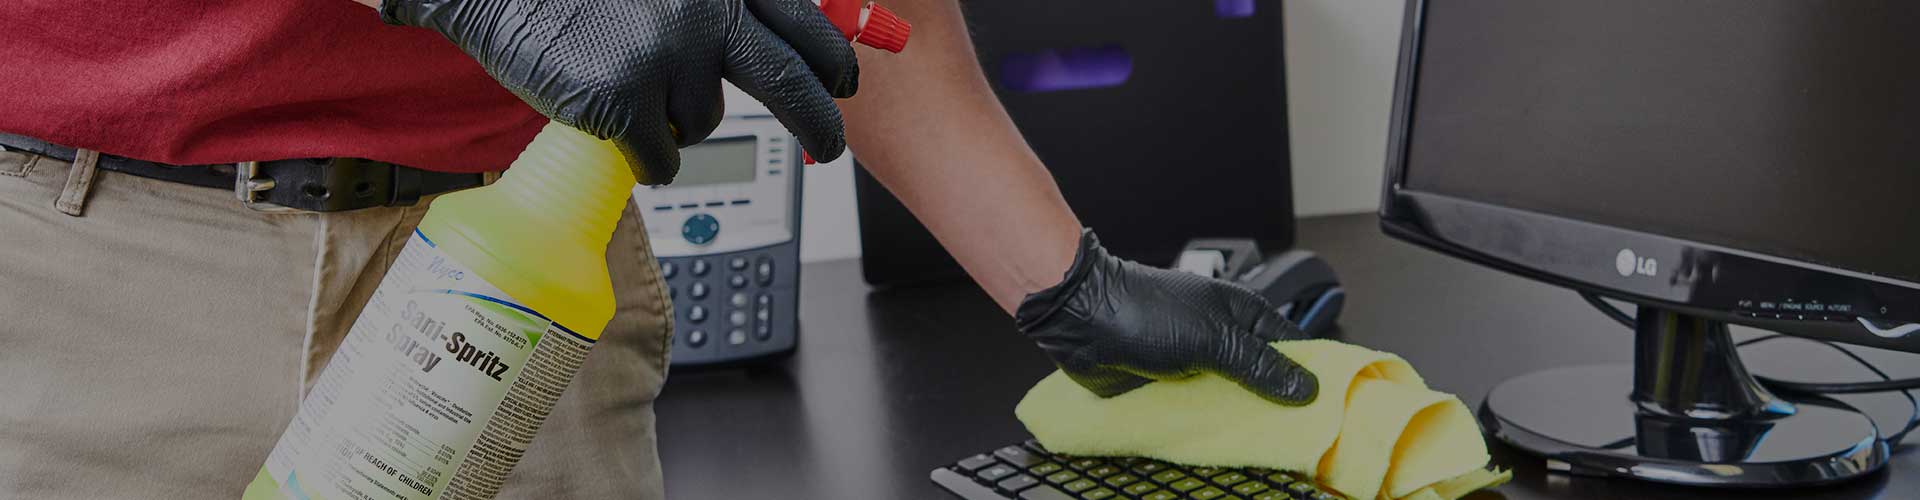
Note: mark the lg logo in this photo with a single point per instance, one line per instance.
(1628, 264)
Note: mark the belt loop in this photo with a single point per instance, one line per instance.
(73, 197)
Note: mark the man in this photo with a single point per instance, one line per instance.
(156, 334)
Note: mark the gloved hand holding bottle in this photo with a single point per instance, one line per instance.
(1114, 325)
(646, 73)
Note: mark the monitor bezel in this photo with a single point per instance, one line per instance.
(1697, 281)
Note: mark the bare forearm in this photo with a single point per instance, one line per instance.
(927, 126)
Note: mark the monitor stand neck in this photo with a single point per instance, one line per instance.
(1688, 367)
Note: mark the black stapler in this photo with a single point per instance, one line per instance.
(1299, 283)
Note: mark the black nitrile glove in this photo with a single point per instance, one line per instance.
(646, 73)
(1114, 325)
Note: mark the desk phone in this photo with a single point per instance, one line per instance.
(727, 235)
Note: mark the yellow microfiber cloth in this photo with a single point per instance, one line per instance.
(1375, 431)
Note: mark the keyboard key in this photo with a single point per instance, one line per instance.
(1085, 463)
(1160, 495)
(1103, 471)
(1273, 495)
(995, 472)
(1045, 468)
(1207, 493)
(1128, 461)
(1122, 480)
(1044, 493)
(1149, 468)
(1204, 471)
(1281, 479)
(1017, 482)
(1229, 479)
(1250, 487)
(1097, 494)
(1325, 496)
(1035, 446)
(975, 462)
(1062, 477)
(1301, 488)
(1167, 476)
(1018, 456)
(1140, 488)
(1186, 485)
(1083, 484)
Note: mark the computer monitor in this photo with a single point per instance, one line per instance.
(1712, 162)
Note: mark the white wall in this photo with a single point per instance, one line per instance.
(829, 228)
(1340, 68)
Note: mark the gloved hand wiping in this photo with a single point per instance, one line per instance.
(646, 73)
(1113, 325)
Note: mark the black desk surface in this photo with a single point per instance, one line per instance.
(888, 385)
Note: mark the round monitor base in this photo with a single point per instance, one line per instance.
(1581, 420)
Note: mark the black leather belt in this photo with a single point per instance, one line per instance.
(315, 185)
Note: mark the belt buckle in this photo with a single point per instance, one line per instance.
(247, 185)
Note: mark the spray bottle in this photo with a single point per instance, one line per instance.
(482, 322)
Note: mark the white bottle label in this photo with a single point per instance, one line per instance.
(436, 391)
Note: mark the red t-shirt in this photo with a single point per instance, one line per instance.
(217, 81)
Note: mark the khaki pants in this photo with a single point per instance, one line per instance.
(155, 339)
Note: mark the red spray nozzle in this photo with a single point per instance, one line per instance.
(868, 24)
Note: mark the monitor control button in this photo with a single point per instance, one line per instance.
(764, 300)
(668, 270)
(737, 337)
(738, 299)
(737, 281)
(763, 332)
(700, 229)
(737, 263)
(697, 338)
(698, 290)
(700, 267)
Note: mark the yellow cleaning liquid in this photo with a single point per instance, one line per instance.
(470, 339)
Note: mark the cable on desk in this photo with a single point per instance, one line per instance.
(1885, 384)
(1893, 440)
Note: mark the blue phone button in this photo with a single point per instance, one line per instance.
(700, 229)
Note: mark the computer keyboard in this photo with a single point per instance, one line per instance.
(1028, 472)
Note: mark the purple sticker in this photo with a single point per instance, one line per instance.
(1066, 69)
(1233, 9)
